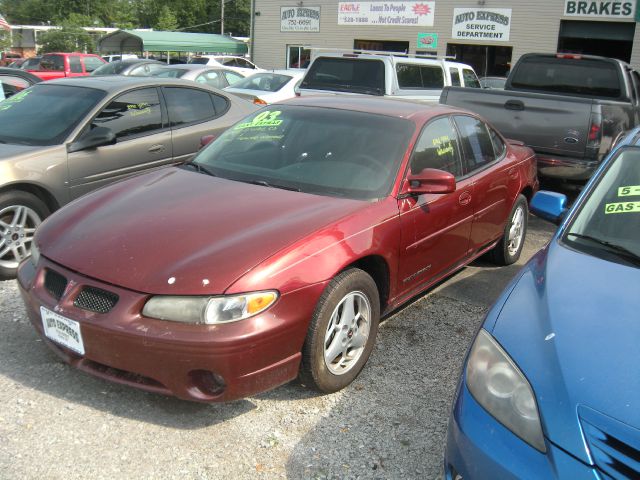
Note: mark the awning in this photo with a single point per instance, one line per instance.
(153, 41)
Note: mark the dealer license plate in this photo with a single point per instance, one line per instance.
(62, 330)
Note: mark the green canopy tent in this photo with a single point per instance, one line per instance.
(154, 41)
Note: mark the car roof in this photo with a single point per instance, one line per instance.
(395, 58)
(418, 112)
(115, 83)
(20, 73)
(186, 66)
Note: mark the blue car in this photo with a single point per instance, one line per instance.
(551, 385)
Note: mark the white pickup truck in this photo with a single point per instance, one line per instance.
(385, 74)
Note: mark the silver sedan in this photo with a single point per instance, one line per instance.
(218, 77)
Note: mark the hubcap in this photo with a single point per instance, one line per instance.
(516, 232)
(17, 226)
(347, 333)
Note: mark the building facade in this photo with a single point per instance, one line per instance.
(490, 35)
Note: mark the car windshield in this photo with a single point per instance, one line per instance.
(608, 221)
(170, 72)
(311, 149)
(266, 82)
(45, 114)
(113, 68)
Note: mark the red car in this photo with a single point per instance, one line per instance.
(61, 65)
(274, 252)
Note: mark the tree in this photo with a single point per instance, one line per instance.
(68, 38)
(5, 40)
(167, 20)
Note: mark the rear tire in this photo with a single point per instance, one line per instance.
(509, 248)
(20, 214)
(341, 333)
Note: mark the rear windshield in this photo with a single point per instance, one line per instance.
(45, 114)
(169, 72)
(570, 76)
(266, 82)
(356, 75)
(113, 68)
(420, 76)
(199, 60)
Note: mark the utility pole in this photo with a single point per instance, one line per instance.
(221, 17)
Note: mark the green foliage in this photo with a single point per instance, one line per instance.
(167, 20)
(5, 40)
(69, 38)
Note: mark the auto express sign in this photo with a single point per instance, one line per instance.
(600, 8)
(299, 19)
(493, 25)
(386, 14)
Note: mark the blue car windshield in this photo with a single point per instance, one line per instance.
(324, 151)
(608, 222)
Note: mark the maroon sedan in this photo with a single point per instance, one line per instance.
(274, 252)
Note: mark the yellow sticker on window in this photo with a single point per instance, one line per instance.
(443, 145)
(136, 109)
(264, 119)
(11, 101)
(630, 191)
(622, 207)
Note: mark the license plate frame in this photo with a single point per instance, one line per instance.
(62, 330)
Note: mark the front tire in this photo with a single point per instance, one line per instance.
(20, 214)
(342, 332)
(509, 248)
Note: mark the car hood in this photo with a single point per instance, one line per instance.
(178, 232)
(571, 324)
(11, 150)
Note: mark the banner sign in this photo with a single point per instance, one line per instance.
(600, 8)
(299, 19)
(390, 14)
(493, 25)
(427, 40)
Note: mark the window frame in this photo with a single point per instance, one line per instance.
(468, 171)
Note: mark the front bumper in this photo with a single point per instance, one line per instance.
(479, 447)
(566, 168)
(206, 363)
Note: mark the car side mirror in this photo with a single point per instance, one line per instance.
(430, 180)
(94, 138)
(550, 206)
(206, 140)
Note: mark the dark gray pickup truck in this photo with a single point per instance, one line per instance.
(569, 108)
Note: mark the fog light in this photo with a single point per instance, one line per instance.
(209, 383)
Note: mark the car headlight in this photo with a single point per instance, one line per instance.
(499, 386)
(35, 253)
(209, 310)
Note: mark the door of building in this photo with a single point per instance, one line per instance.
(381, 45)
(486, 60)
(609, 39)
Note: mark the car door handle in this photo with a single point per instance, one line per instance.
(513, 173)
(514, 105)
(156, 148)
(464, 198)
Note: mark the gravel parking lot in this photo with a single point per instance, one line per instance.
(58, 423)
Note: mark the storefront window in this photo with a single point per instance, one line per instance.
(298, 56)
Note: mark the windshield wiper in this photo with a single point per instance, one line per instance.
(199, 168)
(273, 185)
(613, 247)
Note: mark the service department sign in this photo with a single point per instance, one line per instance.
(483, 24)
(299, 19)
(600, 8)
(387, 14)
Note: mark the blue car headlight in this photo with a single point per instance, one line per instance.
(499, 386)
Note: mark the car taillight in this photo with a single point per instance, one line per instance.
(569, 56)
(595, 131)
(259, 101)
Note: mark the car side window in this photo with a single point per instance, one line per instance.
(188, 105)
(212, 78)
(11, 85)
(232, 77)
(419, 76)
(75, 66)
(131, 114)
(437, 148)
(498, 145)
(229, 62)
(476, 143)
(470, 79)
(220, 104)
(455, 76)
(91, 63)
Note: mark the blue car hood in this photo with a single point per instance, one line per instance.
(572, 324)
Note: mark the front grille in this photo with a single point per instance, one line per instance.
(614, 446)
(55, 283)
(95, 300)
